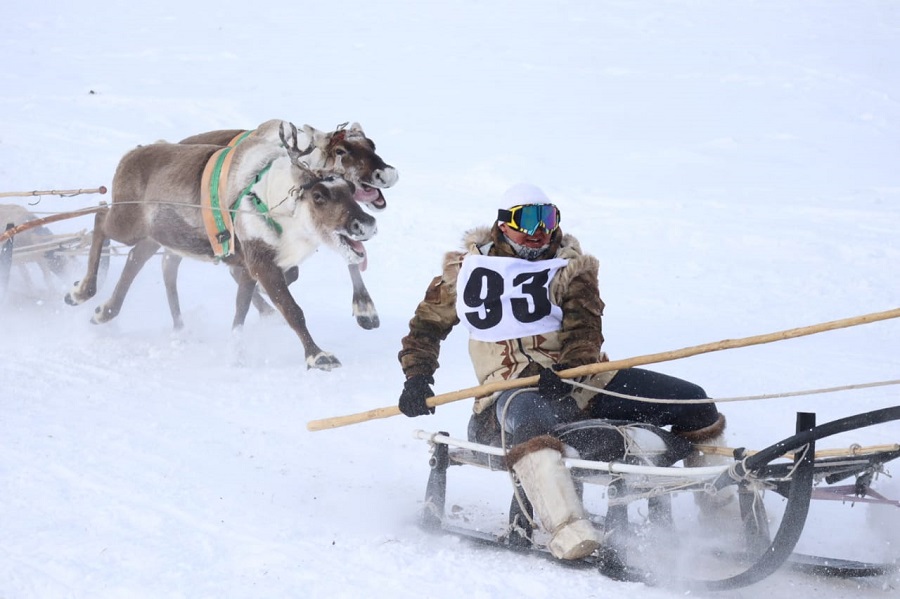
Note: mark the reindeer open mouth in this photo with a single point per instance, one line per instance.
(353, 250)
(370, 196)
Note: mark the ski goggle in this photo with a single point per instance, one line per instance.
(527, 218)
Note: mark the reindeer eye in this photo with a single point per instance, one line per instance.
(340, 152)
(319, 198)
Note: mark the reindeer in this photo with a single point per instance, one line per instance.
(36, 245)
(283, 212)
(346, 150)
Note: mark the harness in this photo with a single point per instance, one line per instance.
(217, 220)
(256, 201)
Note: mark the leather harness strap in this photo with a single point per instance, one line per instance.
(213, 186)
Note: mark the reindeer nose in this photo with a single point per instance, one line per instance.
(363, 229)
(386, 177)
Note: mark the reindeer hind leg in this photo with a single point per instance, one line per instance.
(86, 288)
(137, 257)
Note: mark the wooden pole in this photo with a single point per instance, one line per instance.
(489, 388)
(31, 224)
(52, 192)
(822, 453)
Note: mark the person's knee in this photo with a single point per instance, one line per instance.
(524, 416)
(692, 391)
(697, 430)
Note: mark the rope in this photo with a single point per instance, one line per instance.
(739, 398)
(509, 471)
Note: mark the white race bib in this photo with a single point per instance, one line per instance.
(500, 298)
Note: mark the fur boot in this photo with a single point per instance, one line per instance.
(713, 434)
(549, 486)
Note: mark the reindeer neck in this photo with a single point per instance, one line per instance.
(269, 194)
(252, 160)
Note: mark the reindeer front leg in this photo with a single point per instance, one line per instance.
(246, 291)
(259, 259)
(363, 306)
(170, 264)
(247, 296)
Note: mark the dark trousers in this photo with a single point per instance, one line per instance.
(526, 414)
(645, 383)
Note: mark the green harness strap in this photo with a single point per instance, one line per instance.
(258, 203)
(215, 201)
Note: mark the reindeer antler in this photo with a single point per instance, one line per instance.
(292, 147)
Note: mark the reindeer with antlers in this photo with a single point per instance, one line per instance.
(283, 211)
(345, 150)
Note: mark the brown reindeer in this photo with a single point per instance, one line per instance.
(283, 212)
(346, 150)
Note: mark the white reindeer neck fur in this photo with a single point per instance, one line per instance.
(266, 168)
(279, 189)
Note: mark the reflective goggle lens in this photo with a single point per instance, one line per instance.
(531, 216)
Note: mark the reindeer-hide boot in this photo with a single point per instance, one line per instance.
(549, 486)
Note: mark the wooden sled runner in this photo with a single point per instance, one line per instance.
(649, 474)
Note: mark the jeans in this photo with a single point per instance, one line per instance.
(526, 414)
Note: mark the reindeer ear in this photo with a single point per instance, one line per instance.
(317, 138)
(357, 128)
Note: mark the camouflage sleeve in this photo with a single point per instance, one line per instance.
(435, 317)
(578, 295)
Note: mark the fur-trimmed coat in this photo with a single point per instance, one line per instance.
(574, 289)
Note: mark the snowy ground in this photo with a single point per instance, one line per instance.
(733, 165)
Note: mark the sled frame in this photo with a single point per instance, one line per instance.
(794, 480)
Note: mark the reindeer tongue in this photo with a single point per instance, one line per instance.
(364, 194)
(360, 249)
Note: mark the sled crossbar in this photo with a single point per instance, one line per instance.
(604, 467)
(60, 242)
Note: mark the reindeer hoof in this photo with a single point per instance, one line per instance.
(368, 322)
(102, 314)
(78, 295)
(323, 361)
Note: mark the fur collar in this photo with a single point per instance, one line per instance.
(561, 245)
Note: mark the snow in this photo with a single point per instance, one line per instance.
(732, 165)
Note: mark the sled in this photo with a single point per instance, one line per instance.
(644, 470)
(49, 248)
(41, 251)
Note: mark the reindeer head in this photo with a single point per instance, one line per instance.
(327, 202)
(351, 154)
